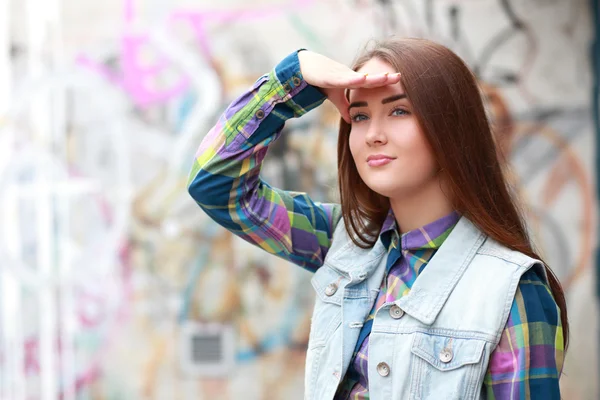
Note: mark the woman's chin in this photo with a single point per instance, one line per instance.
(385, 189)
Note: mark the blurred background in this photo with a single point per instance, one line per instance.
(115, 285)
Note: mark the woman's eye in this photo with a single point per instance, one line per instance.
(399, 111)
(358, 117)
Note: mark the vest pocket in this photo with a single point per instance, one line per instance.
(445, 367)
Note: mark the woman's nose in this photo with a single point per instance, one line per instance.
(375, 135)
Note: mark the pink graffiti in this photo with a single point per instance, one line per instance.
(94, 370)
(91, 312)
(136, 79)
(32, 365)
(199, 19)
(85, 379)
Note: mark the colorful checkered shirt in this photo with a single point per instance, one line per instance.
(225, 183)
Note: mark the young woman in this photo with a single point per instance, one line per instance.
(427, 286)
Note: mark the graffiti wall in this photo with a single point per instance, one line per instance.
(115, 285)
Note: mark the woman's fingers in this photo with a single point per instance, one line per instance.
(344, 79)
(336, 91)
(339, 100)
(334, 78)
(391, 78)
(376, 80)
(363, 81)
(324, 73)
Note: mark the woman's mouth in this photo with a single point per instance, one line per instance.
(379, 160)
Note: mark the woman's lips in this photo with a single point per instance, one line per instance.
(378, 162)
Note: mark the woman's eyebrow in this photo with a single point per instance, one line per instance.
(384, 101)
(393, 98)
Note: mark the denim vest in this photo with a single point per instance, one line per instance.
(433, 343)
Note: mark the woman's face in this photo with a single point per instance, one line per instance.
(391, 153)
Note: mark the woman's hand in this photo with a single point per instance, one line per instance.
(333, 78)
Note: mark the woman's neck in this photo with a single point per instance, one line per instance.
(421, 207)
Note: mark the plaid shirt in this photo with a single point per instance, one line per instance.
(225, 183)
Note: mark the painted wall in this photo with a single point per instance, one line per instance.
(108, 270)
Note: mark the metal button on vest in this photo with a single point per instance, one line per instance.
(446, 355)
(383, 369)
(331, 289)
(396, 312)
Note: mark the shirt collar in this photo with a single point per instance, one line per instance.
(388, 229)
(430, 236)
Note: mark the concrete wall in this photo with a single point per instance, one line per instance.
(108, 269)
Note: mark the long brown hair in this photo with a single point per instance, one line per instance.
(447, 103)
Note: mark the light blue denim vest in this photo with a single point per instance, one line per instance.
(433, 343)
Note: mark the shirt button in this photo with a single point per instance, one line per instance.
(396, 312)
(331, 289)
(446, 355)
(260, 114)
(383, 369)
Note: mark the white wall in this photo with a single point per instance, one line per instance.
(105, 261)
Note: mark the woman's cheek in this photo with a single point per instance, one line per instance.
(354, 142)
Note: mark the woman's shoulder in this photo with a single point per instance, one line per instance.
(533, 282)
(343, 245)
(533, 286)
(493, 248)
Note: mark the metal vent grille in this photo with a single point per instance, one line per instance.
(207, 348)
